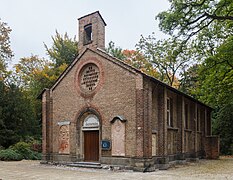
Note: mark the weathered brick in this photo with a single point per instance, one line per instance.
(121, 91)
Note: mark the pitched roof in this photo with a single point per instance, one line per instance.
(92, 14)
(99, 52)
(124, 65)
(154, 79)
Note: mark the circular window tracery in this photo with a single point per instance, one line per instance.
(89, 77)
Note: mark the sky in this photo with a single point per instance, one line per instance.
(34, 22)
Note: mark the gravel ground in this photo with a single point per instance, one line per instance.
(204, 169)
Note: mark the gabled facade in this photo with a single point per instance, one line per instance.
(103, 110)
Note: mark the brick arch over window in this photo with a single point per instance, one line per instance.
(84, 113)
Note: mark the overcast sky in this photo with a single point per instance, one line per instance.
(35, 21)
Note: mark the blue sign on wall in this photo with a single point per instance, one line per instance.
(106, 144)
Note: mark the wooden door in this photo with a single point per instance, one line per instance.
(91, 146)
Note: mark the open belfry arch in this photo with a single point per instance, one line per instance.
(102, 110)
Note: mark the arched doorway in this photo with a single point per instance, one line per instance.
(90, 129)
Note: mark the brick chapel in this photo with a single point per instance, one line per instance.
(105, 111)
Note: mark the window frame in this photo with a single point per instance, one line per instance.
(186, 115)
(198, 119)
(169, 112)
(88, 34)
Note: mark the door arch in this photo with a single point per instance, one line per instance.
(90, 131)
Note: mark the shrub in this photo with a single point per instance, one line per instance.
(10, 155)
(23, 148)
(35, 144)
(36, 156)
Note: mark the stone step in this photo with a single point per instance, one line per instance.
(85, 165)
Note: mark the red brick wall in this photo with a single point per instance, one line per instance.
(116, 96)
(161, 124)
(98, 31)
(147, 148)
(47, 126)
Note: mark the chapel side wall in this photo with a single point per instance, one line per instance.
(183, 140)
(211, 143)
(208, 122)
(196, 131)
(189, 128)
(162, 124)
(116, 96)
(154, 119)
(173, 129)
(179, 141)
(180, 124)
(148, 117)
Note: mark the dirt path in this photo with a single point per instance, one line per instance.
(204, 169)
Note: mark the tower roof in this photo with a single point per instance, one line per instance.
(92, 14)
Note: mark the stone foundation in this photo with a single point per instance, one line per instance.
(127, 163)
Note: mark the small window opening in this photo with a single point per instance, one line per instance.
(186, 116)
(169, 112)
(198, 119)
(87, 34)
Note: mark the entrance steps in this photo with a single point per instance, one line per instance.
(95, 165)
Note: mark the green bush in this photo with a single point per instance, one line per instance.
(35, 144)
(36, 156)
(10, 155)
(24, 149)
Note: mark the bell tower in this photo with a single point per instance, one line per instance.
(91, 31)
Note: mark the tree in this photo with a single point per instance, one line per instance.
(27, 67)
(17, 117)
(137, 60)
(5, 50)
(216, 75)
(207, 23)
(116, 52)
(64, 49)
(34, 74)
(188, 18)
(207, 26)
(1, 103)
(133, 58)
(222, 126)
(189, 80)
(215, 88)
(168, 56)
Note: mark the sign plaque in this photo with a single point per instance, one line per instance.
(91, 121)
(106, 145)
